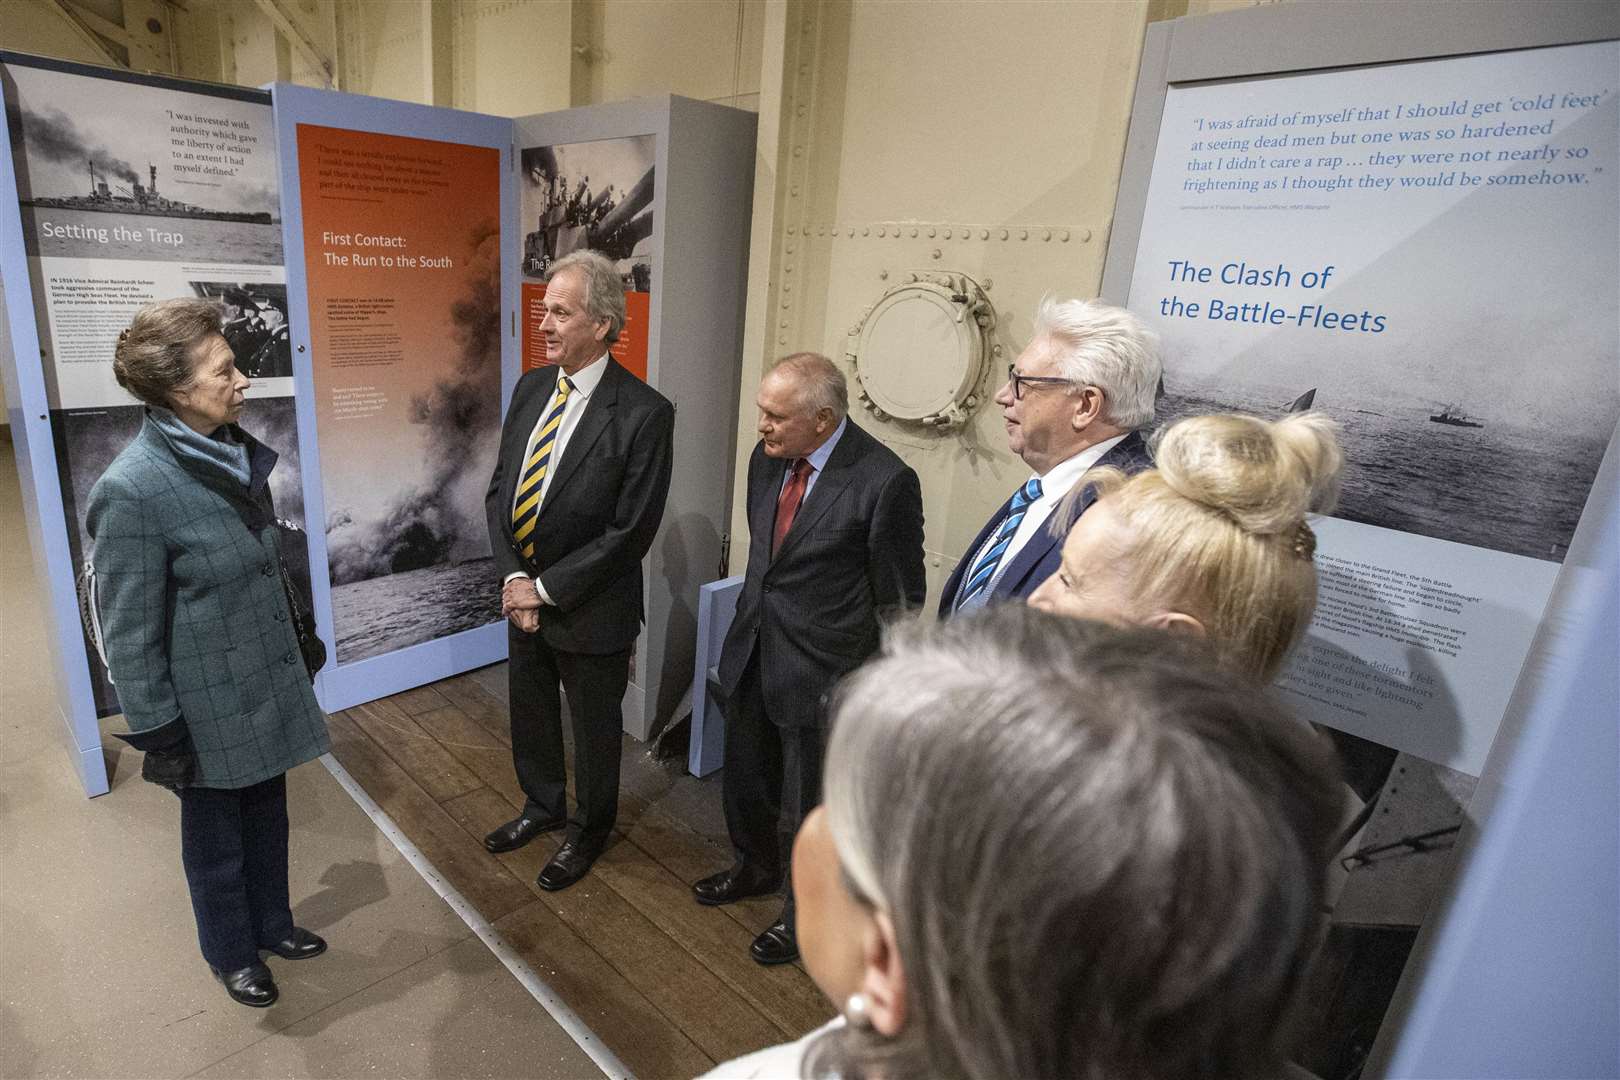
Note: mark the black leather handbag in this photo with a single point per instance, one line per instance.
(300, 602)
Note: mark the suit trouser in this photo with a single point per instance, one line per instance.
(595, 687)
(233, 844)
(771, 782)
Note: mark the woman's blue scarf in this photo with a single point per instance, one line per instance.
(221, 451)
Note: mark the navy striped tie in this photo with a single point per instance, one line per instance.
(975, 588)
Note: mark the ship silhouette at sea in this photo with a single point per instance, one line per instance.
(1454, 416)
(140, 198)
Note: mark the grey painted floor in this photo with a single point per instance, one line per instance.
(99, 970)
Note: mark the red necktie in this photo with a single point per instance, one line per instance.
(787, 503)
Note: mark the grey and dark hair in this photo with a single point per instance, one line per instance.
(1105, 346)
(821, 384)
(154, 356)
(604, 287)
(1102, 855)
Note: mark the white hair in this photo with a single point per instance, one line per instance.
(1107, 347)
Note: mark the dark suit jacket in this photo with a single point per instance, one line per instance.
(855, 553)
(1039, 559)
(600, 513)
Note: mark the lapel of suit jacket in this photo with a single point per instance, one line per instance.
(1127, 455)
(964, 565)
(833, 479)
(598, 414)
(767, 486)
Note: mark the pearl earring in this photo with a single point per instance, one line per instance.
(858, 1012)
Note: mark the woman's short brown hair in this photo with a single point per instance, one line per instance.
(154, 356)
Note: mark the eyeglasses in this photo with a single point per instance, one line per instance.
(1019, 382)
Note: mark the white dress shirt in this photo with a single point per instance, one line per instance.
(1055, 485)
(585, 381)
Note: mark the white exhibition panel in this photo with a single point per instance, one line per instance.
(1412, 218)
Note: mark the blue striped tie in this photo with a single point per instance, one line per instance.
(975, 588)
(526, 508)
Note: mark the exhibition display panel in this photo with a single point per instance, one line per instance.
(376, 259)
(1409, 229)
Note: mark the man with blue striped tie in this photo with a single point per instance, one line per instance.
(1074, 399)
(575, 501)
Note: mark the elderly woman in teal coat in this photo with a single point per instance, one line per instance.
(199, 633)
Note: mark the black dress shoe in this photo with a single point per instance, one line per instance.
(301, 944)
(251, 985)
(519, 831)
(571, 863)
(777, 945)
(738, 883)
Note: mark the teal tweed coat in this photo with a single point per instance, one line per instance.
(193, 612)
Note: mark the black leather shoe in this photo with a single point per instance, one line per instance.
(738, 883)
(301, 944)
(252, 985)
(571, 863)
(519, 831)
(777, 945)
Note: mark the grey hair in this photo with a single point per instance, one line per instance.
(821, 385)
(154, 354)
(1047, 810)
(1105, 346)
(604, 287)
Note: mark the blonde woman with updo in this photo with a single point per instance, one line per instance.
(1213, 541)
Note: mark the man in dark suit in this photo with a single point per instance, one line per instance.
(573, 506)
(836, 532)
(1074, 400)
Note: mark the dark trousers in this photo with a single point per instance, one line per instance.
(771, 782)
(233, 843)
(595, 687)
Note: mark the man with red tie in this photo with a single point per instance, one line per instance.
(575, 501)
(836, 545)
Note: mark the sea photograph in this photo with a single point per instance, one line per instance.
(1408, 467)
(380, 615)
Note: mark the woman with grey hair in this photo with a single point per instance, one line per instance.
(200, 637)
(1052, 848)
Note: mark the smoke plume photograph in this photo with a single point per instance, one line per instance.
(407, 370)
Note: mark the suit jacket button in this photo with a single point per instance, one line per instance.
(766, 588)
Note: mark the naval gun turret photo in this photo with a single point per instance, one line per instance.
(575, 213)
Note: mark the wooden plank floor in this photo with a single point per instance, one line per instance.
(667, 984)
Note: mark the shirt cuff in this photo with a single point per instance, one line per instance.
(540, 590)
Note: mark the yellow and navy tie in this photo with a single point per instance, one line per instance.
(526, 510)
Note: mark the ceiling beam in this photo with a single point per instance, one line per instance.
(86, 33)
(297, 38)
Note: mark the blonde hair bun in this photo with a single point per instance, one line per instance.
(1264, 475)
